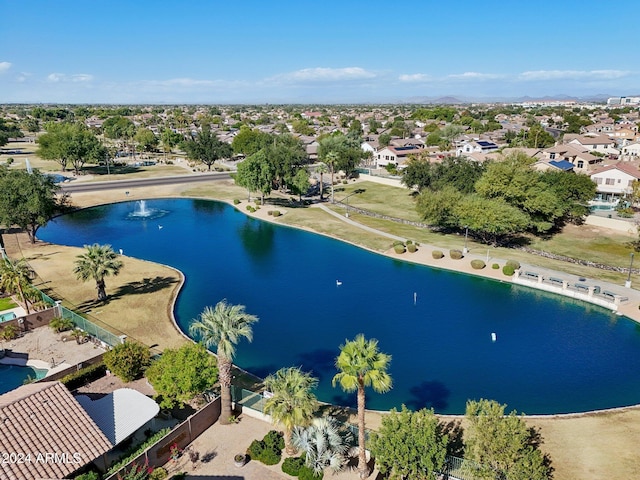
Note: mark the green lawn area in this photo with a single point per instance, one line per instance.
(7, 303)
(383, 199)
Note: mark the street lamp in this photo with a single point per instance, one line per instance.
(347, 200)
(628, 282)
(466, 233)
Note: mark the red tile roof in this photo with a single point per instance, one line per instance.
(47, 431)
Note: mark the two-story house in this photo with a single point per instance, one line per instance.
(613, 182)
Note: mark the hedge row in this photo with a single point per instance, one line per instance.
(84, 376)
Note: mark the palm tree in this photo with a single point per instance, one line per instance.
(321, 169)
(97, 262)
(292, 403)
(332, 158)
(15, 277)
(223, 326)
(324, 443)
(361, 365)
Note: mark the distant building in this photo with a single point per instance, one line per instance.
(622, 101)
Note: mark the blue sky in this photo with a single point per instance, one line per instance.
(139, 51)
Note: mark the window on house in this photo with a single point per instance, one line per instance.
(598, 181)
(619, 180)
(386, 157)
(580, 164)
(552, 156)
(610, 181)
(392, 158)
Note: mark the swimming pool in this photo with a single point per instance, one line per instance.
(5, 317)
(13, 376)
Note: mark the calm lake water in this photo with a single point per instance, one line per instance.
(551, 355)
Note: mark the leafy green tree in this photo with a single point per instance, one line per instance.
(384, 139)
(458, 172)
(128, 360)
(417, 173)
(324, 443)
(256, 174)
(573, 190)
(434, 138)
(249, 141)
(119, 128)
(15, 277)
(181, 374)
(360, 364)
(146, 140)
(410, 445)
(70, 143)
(302, 127)
(502, 445)
(31, 125)
(292, 403)
(7, 131)
(98, 262)
(300, 182)
(491, 219)
(206, 148)
(439, 207)
(356, 127)
(223, 326)
(169, 139)
(340, 152)
(28, 200)
(450, 133)
(536, 137)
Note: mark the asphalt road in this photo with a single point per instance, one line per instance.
(143, 182)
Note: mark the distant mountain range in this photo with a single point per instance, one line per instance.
(451, 99)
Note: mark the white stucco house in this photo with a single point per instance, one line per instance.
(396, 155)
(614, 181)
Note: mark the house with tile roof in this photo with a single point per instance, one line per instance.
(45, 426)
(595, 142)
(397, 156)
(614, 182)
(582, 160)
(630, 152)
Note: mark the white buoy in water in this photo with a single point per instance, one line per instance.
(494, 337)
(415, 297)
(338, 283)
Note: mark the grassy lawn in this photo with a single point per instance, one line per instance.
(383, 199)
(7, 304)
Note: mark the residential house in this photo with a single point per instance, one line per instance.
(582, 160)
(615, 181)
(397, 156)
(555, 165)
(476, 146)
(598, 143)
(45, 421)
(630, 152)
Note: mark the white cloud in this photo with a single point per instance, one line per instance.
(4, 66)
(61, 77)
(415, 77)
(538, 75)
(474, 76)
(321, 74)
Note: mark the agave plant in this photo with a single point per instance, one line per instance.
(325, 444)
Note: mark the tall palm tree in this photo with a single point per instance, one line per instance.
(331, 158)
(15, 277)
(223, 326)
(321, 169)
(360, 364)
(98, 262)
(292, 403)
(324, 443)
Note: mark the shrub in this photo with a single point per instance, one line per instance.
(136, 450)
(128, 360)
(9, 332)
(514, 263)
(398, 242)
(411, 247)
(270, 456)
(257, 201)
(255, 449)
(508, 270)
(251, 209)
(477, 264)
(399, 248)
(274, 439)
(307, 473)
(92, 475)
(495, 266)
(292, 465)
(84, 376)
(159, 473)
(236, 201)
(10, 160)
(276, 213)
(268, 450)
(269, 212)
(60, 324)
(455, 254)
(437, 254)
(409, 242)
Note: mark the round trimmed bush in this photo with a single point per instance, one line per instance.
(236, 201)
(455, 254)
(514, 263)
(276, 213)
(292, 465)
(409, 242)
(270, 456)
(411, 247)
(508, 270)
(437, 254)
(495, 266)
(270, 212)
(398, 242)
(399, 248)
(306, 473)
(477, 264)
